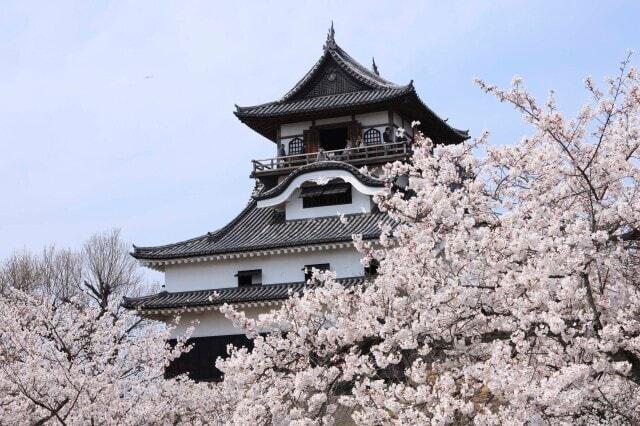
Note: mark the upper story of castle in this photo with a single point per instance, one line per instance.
(342, 111)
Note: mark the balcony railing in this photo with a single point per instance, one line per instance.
(361, 155)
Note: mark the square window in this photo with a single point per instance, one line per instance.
(308, 269)
(371, 271)
(331, 194)
(252, 277)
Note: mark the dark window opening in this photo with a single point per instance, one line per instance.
(199, 362)
(252, 277)
(372, 137)
(331, 194)
(308, 269)
(296, 146)
(371, 271)
(332, 139)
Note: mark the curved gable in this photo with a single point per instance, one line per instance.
(320, 173)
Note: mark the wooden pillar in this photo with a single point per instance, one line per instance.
(311, 140)
(354, 130)
(391, 126)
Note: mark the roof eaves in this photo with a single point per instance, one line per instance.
(358, 71)
(391, 94)
(141, 256)
(139, 252)
(463, 134)
(217, 297)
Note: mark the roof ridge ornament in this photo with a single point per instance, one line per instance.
(330, 44)
(374, 67)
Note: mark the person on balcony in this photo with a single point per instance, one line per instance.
(280, 161)
(387, 135)
(400, 135)
(348, 147)
(322, 156)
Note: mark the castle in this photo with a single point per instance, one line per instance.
(339, 117)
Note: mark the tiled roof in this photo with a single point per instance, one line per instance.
(265, 228)
(230, 295)
(320, 165)
(336, 101)
(355, 89)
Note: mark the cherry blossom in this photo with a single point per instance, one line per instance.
(507, 293)
(69, 364)
(507, 290)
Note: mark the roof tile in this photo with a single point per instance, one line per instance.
(340, 100)
(263, 228)
(220, 296)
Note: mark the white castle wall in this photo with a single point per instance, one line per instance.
(402, 122)
(294, 129)
(210, 323)
(333, 120)
(373, 118)
(275, 269)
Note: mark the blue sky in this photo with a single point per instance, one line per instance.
(87, 143)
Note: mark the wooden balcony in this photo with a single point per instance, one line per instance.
(360, 156)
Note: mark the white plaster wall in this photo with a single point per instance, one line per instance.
(373, 118)
(397, 120)
(407, 126)
(210, 323)
(332, 120)
(294, 129)
(360, 203)
(406, 123)
(275, 269)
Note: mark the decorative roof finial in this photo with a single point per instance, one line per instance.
(374, 67)
(331, 42)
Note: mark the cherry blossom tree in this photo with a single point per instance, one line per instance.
(65, 363)
(508, 290)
